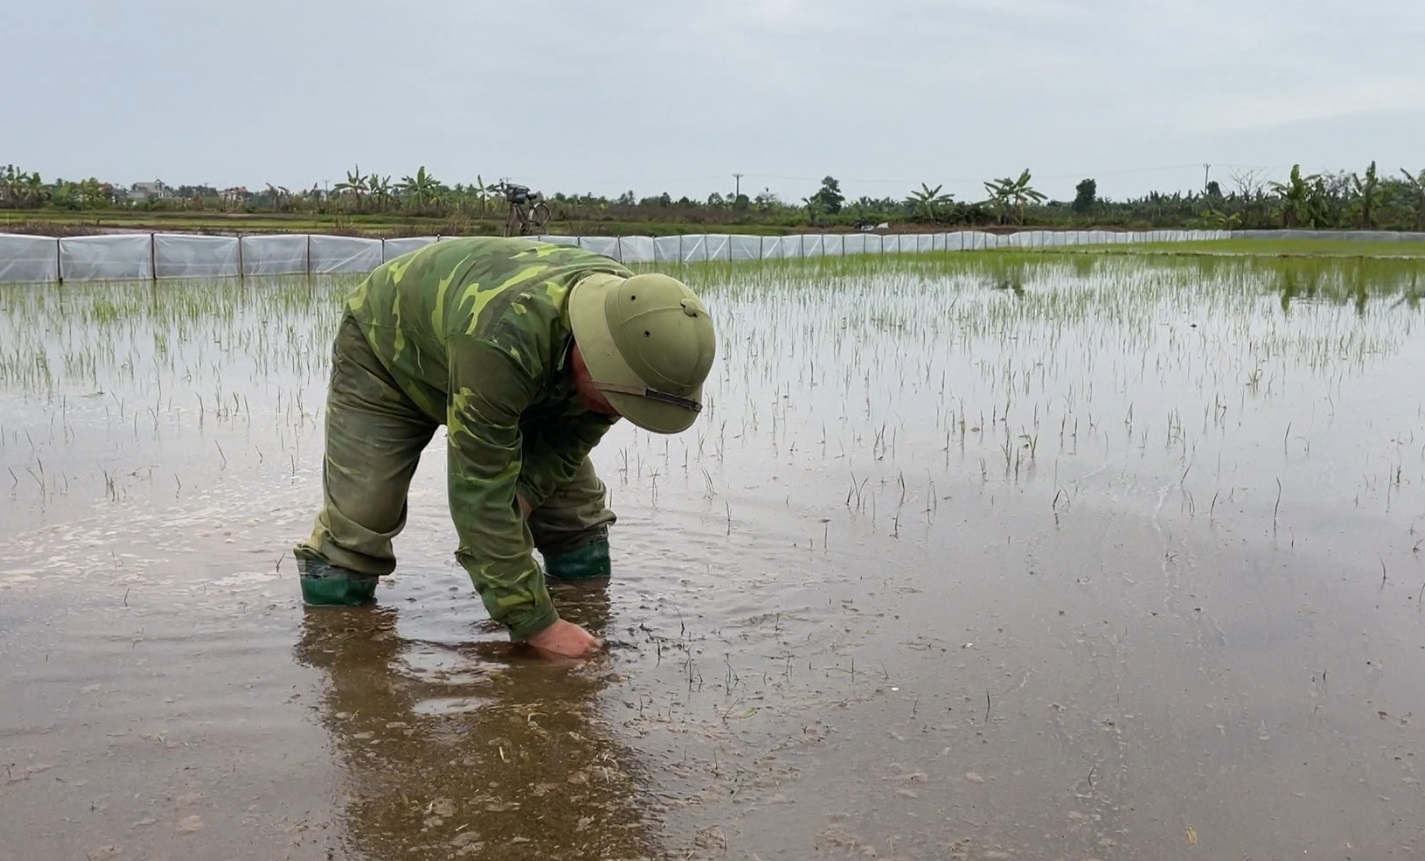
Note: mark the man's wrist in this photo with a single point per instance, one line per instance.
(533, 623)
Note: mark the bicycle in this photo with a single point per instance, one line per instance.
(528, 212)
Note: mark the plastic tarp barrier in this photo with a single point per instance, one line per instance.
(635, 249)
(605, 245)
(718, 246)
(99, 258)
(692, 248)
(746, 247)
(25, 258)
(333, 254)
(28, 258)
(274, 255)
(973, 240)
(1367, 235)
(182, 255)
(668, 249)
(393, 248)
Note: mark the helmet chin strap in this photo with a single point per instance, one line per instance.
(651, 394)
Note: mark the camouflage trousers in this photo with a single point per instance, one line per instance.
(375, 436)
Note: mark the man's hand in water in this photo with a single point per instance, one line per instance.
(562, 639)
(566, 640)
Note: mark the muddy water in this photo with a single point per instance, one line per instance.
(1070, 558)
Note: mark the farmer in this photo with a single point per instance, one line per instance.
(528, 353)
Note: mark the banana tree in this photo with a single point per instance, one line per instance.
(379, 187)
(1367, 196)
(64, 194)
(355, 184)
(483, 193)
(92, 195)
(1219, 220)
(813, 206)
(280, 197)
(421, 187)
(1011, 193)
(928, 201)
(1296, 197)
(33, 189)
(12, 185)
(1416, 186)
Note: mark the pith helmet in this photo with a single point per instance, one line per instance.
(648, 344)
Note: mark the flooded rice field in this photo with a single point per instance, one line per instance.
(1013, 557)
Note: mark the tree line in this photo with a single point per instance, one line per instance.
(1342, 199)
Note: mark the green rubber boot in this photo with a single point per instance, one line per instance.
(581, 563)
(324, 584)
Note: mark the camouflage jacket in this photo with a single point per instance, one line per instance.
(476, 332)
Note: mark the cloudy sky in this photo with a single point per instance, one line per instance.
(678, 96)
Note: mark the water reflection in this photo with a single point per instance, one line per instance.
(493, 753)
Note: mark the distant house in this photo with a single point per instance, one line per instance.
(155, 190)
(238, 194)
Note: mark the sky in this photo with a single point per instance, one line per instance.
(679, 96)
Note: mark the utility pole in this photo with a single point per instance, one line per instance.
(738, 191)
(1206, 171)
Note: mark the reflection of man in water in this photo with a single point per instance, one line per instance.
(522, 768)
(527, 352)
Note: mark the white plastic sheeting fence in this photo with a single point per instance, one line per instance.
(25, 258)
